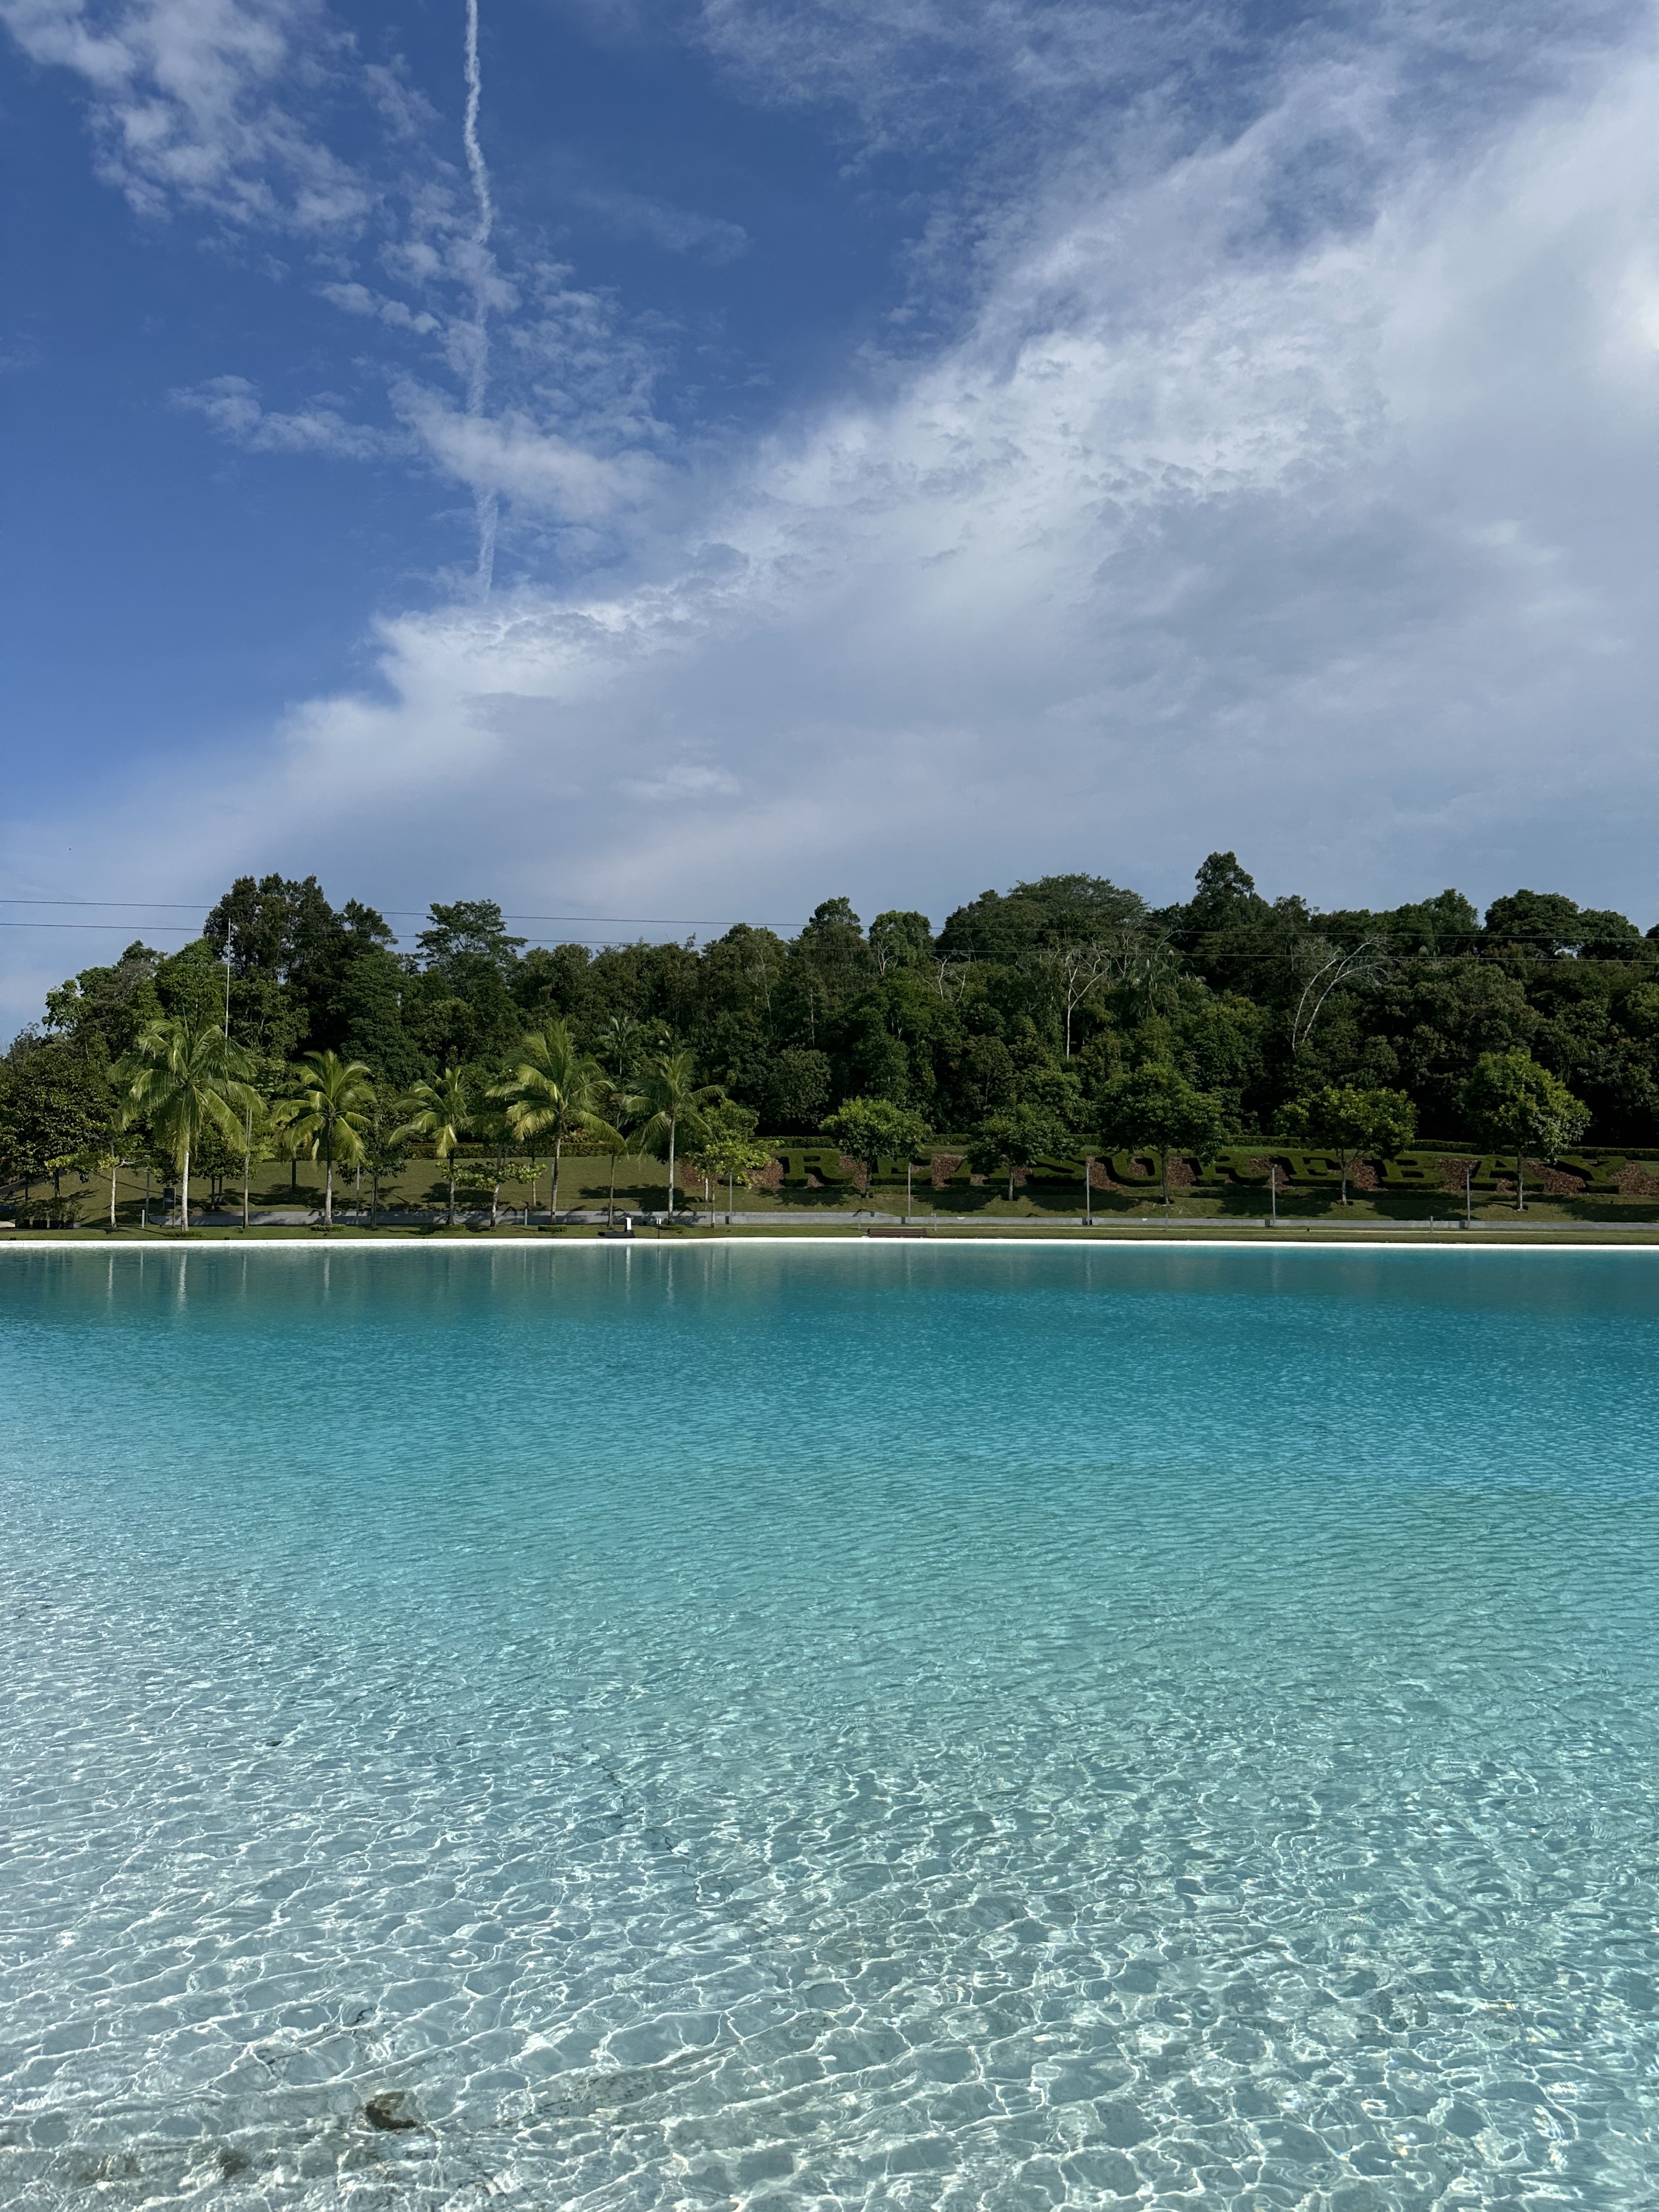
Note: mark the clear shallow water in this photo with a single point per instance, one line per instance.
(841, 1727)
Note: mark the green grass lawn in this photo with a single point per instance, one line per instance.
(641, 1185)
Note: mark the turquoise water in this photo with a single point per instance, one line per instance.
(829, 1726)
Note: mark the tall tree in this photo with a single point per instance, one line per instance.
(442, 1113)
(330, 1105)
(870, 1130)
(1351, 1122)
(554, 1090)
(56, 1104)
(727, 1148)
(670, 1103)
(1017, 1139)
(1156, 1106)
(188, 1080)
(1511, 1100)
(468, 929)
(385, 1150)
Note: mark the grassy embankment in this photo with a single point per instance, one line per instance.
(960, 1210)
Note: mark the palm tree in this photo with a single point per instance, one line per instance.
(329, 1104)
(442, 1112)
(670, 1100)
(626, 1037)
(554, 1090)
(613, 1135)
(188, 1081)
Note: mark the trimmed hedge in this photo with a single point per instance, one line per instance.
(1421, 1170)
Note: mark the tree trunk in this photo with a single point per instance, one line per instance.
(1011, 1183)
(183, 1192)
(553, 1193)
(114, 1167)
(672, 1130)
(1163, 1160)
(1345, 1178)
(611, 1203)
(451, 1223)
(328, 1182)
(1521, 1178)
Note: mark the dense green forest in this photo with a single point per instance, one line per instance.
(1042, 1000)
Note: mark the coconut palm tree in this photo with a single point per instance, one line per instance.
(188, 1081)
(670, 1103)
(329, 1103)
(624, 1106)
(442, 1112)
(554, 1090)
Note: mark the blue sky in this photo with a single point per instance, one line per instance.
(917, 445)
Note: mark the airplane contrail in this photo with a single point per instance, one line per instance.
(484, 502)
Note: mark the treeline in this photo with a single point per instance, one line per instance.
(1050, 1006)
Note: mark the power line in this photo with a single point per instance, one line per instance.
(389, 914)
(1214, 954)
(401, 914)
(180, 929)
(175, 906)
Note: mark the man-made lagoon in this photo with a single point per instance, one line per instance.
(829, 1725)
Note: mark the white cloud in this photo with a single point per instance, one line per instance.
(1330, 543)
(232, 405)
(538, 470)
(357, 300)
(675, 229)
(200, 102)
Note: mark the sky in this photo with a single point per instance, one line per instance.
(660, 462)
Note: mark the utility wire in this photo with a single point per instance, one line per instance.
(617, 922)
(388, 914)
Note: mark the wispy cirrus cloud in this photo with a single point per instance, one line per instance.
(357, 299)
(1281, 484)
(674, 229)
(1202, 534)
(224, 109)
(232, 405)
(208, 104)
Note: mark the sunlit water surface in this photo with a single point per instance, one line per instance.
(829, 1726)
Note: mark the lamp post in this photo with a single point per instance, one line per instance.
(227, 960)
(1273, 1188)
